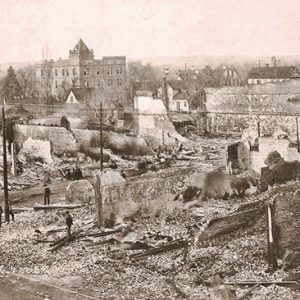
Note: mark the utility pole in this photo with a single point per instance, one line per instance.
(5, 184)
(297, 129)
(101, 137)
(185, 72)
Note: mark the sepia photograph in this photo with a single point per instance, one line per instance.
(149, 150)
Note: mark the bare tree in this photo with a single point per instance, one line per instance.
(64, 89)
(46, 74)
(27, 81)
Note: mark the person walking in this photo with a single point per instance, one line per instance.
(47, 193)
(69, 223)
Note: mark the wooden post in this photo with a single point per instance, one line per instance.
(163, 138)
(98, 201)
(258, 128)
(5, 183)
(101, 137)
(13, 161)
(297, 128)
(271, 243)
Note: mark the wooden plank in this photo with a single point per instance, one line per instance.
(49, 207)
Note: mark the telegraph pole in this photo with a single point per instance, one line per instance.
(5, 184)
(297, 129)
(101, 137)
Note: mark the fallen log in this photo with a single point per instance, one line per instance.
(186, 157)
(49, 207)
(99, 234)
(23, 209)
(43, 241)
(63, 241)
(180, 243)
(264, 283)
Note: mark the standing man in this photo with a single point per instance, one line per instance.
(47, 193)
(1, 212)
(10, 211)
(69, 223)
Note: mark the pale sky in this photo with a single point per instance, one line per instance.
(141, 28)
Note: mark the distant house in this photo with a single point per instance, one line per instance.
(209, 77)
(83, 96)
(267, 74)
(177, 95)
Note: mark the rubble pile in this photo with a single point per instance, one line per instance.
(156, 258)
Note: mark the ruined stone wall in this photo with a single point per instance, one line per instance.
(219, 122)
(70, 141)
(144, 196)
(153, 122)
(267, 145)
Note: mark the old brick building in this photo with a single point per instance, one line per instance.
(81, 70)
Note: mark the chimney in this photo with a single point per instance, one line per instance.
(267, 65)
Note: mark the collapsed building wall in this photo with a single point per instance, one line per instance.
(71, 141)
(139, 197)
(220, 122)
(152, 121)
(252, 151)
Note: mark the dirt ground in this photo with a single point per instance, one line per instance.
(20, 287)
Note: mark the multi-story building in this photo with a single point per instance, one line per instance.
(209, 77)
(274, 74)
(81, 70)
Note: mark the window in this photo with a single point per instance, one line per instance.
(119, 82)
(86, 72)
(42, 72)
(178, 105)
(98, 72)
(67, 70)
(63, 72)
(55, 71)
(74, 71)
(56, 84)
(71, 98)
(119, 71)
(109, 71)
(185, 104)
(109, 82)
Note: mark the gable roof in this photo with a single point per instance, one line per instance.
(81, 47)
(81, 50)
(182, 95)
(273, 72)
(82, 94)
(177, 84)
